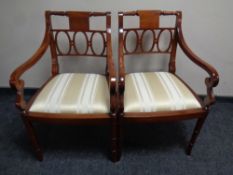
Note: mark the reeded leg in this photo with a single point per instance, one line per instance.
(195, 134)
(33, 138)
(119, 139)
(114, 140)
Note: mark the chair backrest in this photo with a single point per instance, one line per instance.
(79, 24)
(149, 22)
(78, 34)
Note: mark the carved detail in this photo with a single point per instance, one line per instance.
(155, 47)
(153, 43)
(60, 52)
(103, 40)
(72, 45)
(75, 43)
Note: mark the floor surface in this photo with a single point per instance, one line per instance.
(147, 149)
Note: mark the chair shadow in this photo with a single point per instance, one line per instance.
(154, 137)
(79, 141)
(82, 141)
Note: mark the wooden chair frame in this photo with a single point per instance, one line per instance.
(146, 23)
(79, 22)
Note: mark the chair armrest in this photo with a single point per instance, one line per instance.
(213, 79)
(17, 83)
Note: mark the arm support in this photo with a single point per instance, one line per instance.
(121, 81)
(121, 69)
(110, 70)
(213, 79)
(111, 80)
(17, 83)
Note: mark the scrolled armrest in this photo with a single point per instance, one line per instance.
(17, 83)
(213, 79)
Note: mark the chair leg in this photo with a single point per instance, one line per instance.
(32, 136)
(114, 140)
(119, 138)
(195, 134)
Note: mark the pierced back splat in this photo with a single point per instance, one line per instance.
(149, 22)
(67, 41)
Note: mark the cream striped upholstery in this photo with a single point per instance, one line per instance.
(73, 93)
(156, 91)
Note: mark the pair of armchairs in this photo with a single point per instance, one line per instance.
(88, 98)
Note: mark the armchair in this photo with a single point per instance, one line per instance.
(70, 98)
(160, 96)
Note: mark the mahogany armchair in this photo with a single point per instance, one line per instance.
(71, 98)
(160, 96)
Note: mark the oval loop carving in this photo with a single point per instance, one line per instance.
(62, 40)
(147, 40)
(136, 40)
(80, 42)
(166, 37)
(94, 41)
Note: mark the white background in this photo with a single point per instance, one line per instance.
(207, 26)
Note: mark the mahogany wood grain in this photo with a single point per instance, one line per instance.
(149, 18)
(79, 20)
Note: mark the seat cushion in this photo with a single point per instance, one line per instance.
(157, 91)
(73, 93)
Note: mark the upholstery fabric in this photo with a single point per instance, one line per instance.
(157, 91)
(74, 93)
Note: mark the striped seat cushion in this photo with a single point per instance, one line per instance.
(157, 91)
(73, 93)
